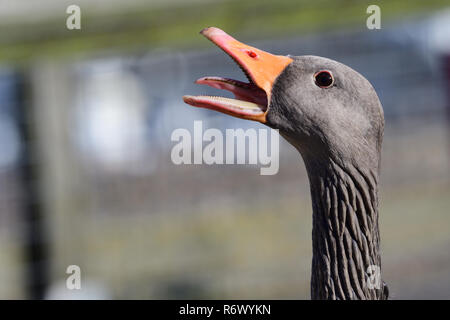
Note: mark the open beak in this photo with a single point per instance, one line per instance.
(252, 98)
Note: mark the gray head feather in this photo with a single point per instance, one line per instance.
(344, 122)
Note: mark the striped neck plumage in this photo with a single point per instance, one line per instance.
(346, 255)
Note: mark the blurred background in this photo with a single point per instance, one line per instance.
(86, 177)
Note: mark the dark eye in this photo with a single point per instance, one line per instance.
(324, 79)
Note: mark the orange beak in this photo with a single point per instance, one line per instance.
(253, 98)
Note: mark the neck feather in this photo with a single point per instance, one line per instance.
(346, 257)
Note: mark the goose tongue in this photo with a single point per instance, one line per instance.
(242, 90)
(260, 67)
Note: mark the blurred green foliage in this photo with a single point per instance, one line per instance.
(178, 25)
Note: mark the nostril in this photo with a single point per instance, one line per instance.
(252, 54)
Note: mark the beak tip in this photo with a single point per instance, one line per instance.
(205, 30)
(187, 99)
(212, 31)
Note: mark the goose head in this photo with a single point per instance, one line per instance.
(322, 107)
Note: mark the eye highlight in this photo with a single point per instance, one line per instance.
(323, 79)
